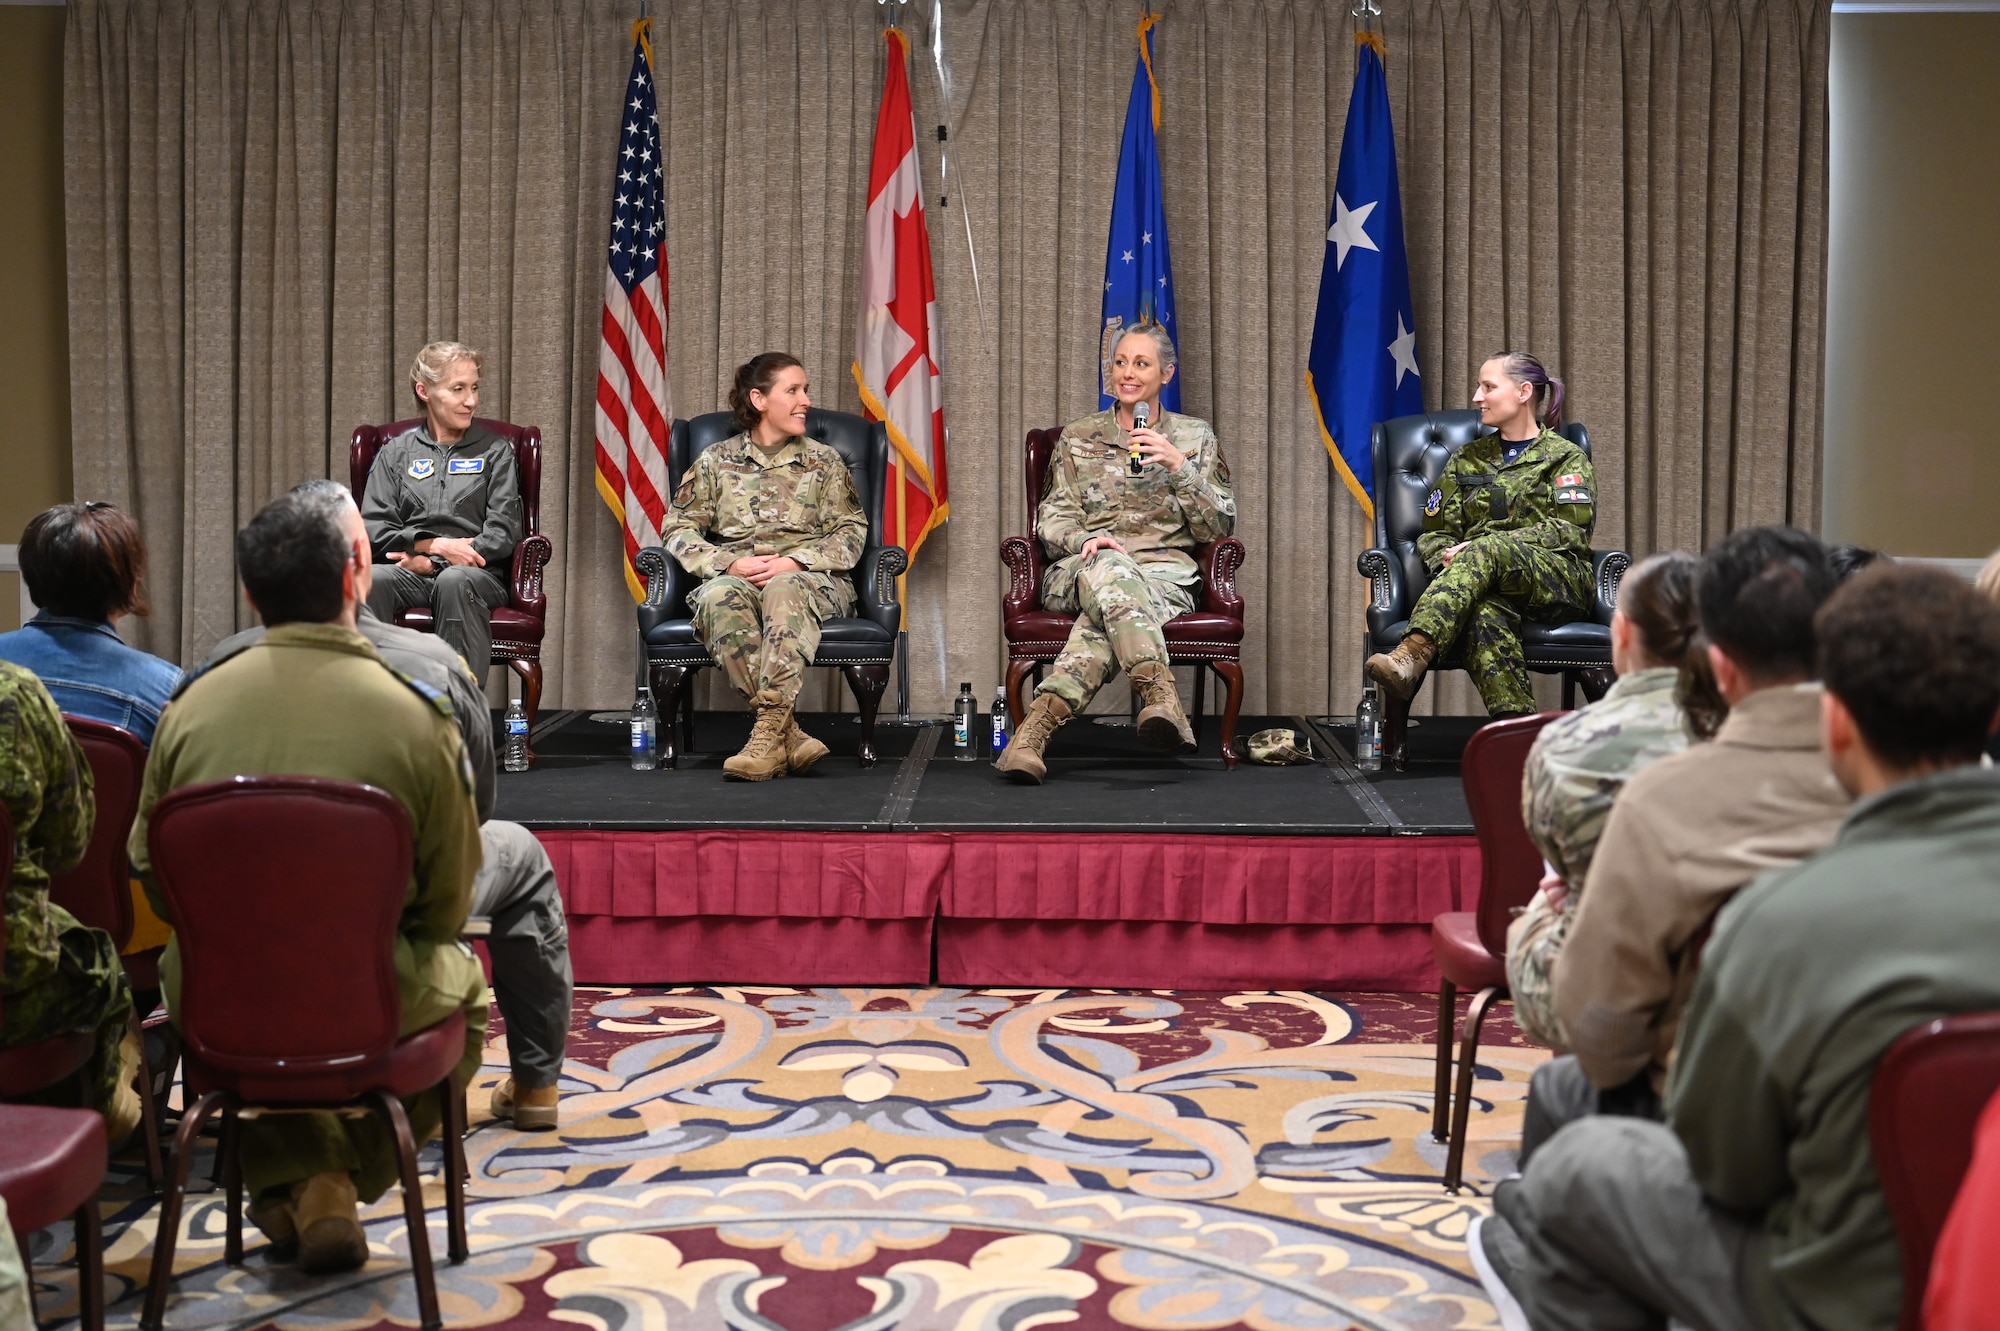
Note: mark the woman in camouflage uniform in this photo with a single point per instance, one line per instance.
(1581, 762)
(771, 522)
(1120, 543)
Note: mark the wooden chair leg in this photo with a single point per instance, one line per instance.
(1200, 700)
(162, 1277)
(531, 697)
(231, 1150)
(1596, 682)
(669, 682)
(89, 1267)
(1232, 704)
(1447, 1027)
(454, 1170)
(1018, 670)
(1395, 729)
(1468, 1069)
(1569, 690)
(413, 1209)
(868, 682)
(149, 1111)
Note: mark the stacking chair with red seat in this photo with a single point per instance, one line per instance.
(1471, 946)
(286, 893)
(98, 891)
(51, 1160)
(1923, 1106)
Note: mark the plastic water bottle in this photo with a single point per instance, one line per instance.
(645, 732)
(1368, 732)
(1001, 723)
(516, 759)
(963, 710)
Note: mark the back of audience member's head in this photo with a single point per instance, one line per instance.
(1988, 581)
(85, 561)
(1760, 588)
(1848, 559)
(1913, 654)
(1658, 598)
(292, 557)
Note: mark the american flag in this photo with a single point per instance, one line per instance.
(634, 407)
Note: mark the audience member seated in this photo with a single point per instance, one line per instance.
(85, 565)
(315, 699)
(1964, 1289)
(516, 886)
(1581, 762)
(1757, 1203)
(58, 975)
(1692, 829)
(1988, 584)
(1848, 560)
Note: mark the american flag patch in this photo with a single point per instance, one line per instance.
(1574, 478)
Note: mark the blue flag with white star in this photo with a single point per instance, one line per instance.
(1363, 364)
(1138, 276)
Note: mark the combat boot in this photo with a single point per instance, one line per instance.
(325, 1215)
(801, 749)
(764, 756)
(1161, 720)
(1022, 758)
(1401, 672)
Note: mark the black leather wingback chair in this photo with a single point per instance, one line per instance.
(1410, 453)
(862, 645)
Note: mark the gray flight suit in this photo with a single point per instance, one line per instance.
(471, 490)
(516, 886)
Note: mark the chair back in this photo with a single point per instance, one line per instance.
(527, 441)
(1510, 868)
(1923, 1107)
(99, 890)
(285, 893)
(1410, 453)
(1041, 446)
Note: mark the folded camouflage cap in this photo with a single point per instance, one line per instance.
(1278, 748)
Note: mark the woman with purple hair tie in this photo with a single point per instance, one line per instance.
(1506, 538)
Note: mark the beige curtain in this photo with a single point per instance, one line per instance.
(271, 205)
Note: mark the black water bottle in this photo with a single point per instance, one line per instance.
(963, 711)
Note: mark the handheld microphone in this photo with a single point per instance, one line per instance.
(1140, 413)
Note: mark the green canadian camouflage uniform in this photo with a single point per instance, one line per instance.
(59, 975)
(739, 499)
(1159, 516)
(1575, 771)
(316, 700)
(1526, 528)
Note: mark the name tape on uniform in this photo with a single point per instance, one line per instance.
(466, 466)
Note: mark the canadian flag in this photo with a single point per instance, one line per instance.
(895, 342)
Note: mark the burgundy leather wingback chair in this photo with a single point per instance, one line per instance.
(519, 625)
(1210, 636)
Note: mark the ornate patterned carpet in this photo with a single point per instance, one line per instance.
(764, 1159)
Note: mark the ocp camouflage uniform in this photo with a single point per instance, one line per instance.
(739, 499)
(1121, 601)
(1528, 527)
(1577, 768)
(58, 975)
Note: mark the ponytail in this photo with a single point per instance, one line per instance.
(1523, 368)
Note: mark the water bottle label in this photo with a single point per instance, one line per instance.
(641, 740)
(999, 733)
(1369, 747)
(517, 725)
(960, 730)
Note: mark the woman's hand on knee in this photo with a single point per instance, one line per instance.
(1097, 543)
(1452, 552)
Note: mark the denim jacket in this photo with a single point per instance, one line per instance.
(91, 672)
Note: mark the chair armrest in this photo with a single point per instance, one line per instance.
(1023, 557)
(1219, 562)
(1607, 571)
(667, 586)
(531, 556)
(1388, 595)
(875, 583)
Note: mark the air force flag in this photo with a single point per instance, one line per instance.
(1138, 276)
(1363, 363)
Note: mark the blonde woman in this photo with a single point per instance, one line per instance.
(443, 509)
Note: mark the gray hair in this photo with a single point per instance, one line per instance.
(1161, 339)
(434, 362)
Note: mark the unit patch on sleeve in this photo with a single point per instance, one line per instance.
(421, 469)
(1573, 495)
(466, 466)
(1434, 503)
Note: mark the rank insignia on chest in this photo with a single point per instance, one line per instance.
(1434, 503)
(1570, 478)
(466, 466)
(421, 469)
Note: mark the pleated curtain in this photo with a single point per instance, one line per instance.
(272, 205)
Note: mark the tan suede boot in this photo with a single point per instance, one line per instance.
(1022, 758)
(1401, 672)
(127, 1110)
(273, 1218)
(327, 1213)
(764, 756)
(1162, 722)
(532, 1110)
(801, 749)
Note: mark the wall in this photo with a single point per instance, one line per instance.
(1913, 300)
(34, 338)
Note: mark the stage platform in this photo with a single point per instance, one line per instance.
(1127, 868)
